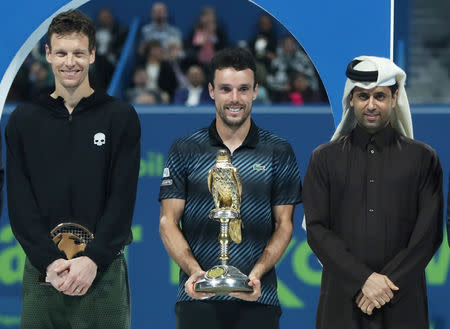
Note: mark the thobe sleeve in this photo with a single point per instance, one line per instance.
(331, 250)
(426, 237)
(114, 226)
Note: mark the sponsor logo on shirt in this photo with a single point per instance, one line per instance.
(99, 139)
(166, 172)
(166, 182)
(258, 167)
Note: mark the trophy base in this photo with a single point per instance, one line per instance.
(223, 279)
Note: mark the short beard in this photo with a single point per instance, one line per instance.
(233, 124)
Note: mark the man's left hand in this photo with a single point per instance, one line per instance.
(82, 273)
(249, 296)
(364, 304)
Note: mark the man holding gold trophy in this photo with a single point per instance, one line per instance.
(72, 169)
(228, 194)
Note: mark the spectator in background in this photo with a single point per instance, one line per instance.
(160, 75)
(264, 46)
(300, 92)
(110, 36)
(177, 58)
(110, 39)
(207, 37)
(139, 85)
(159, 29)
(148, 98)
(20, 86)
(139, 93)
(40, 80)
(262, 98)
(196, 93)
(290, 58)
(100, 73)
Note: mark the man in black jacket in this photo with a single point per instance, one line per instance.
(73, 156)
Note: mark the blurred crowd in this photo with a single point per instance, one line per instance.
(172, 66)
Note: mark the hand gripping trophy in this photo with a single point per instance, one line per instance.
(225, 185)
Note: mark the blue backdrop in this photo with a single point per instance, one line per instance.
(154, 277)
(326, 29)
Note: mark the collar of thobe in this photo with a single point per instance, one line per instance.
(382, 138)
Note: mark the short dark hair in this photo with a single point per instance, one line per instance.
(394, 88)
(69, 22)
(236, 58)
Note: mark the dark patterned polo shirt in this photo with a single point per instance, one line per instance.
(270, 177)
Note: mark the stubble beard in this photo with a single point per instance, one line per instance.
(230, 123)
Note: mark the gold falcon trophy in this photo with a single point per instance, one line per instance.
(224, 183)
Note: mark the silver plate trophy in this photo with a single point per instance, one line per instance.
(224, 183)
(70, 238)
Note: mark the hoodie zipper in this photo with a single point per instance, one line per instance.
(69, 118)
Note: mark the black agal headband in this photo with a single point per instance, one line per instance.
(351, 73)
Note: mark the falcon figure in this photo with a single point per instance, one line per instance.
(224, 183)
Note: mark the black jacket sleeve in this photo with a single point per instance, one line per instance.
(113, 229)
(28, 225)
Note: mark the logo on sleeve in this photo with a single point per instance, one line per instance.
(166, 173)
(166, 182)
(99, 139)
(258, 167)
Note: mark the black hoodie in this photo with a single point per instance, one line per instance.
(61, 168)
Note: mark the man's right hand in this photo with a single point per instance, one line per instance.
(190, 283)
(378, 289)
(57, 272)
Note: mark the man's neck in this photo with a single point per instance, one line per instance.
(72, 96)
(233, 137)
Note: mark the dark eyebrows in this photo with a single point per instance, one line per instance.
(75, 51)
(81, 50)
(227, 85)
(376, 93)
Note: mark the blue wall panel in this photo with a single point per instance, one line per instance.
(152, 275)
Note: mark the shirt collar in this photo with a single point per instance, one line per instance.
(380, 139)
(251, 140)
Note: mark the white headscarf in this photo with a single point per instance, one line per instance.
(388, 74)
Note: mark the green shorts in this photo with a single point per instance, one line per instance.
(105, 305)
